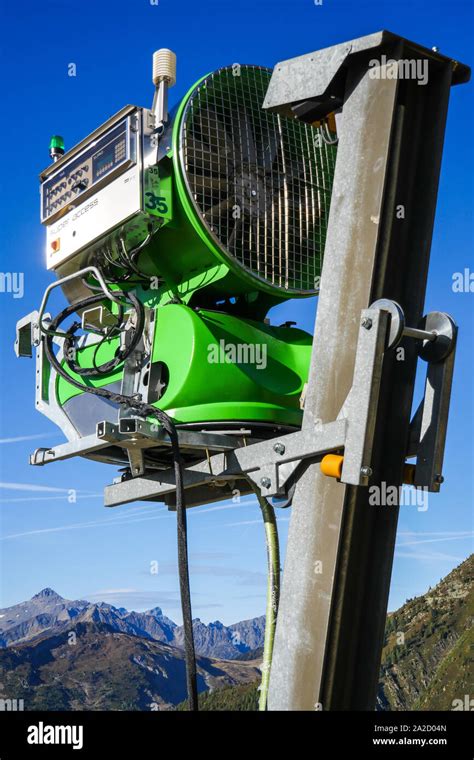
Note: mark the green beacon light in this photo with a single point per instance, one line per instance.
(56, 147)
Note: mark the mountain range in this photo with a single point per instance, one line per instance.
(48, 611)
(57, 654)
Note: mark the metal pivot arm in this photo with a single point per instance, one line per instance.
(436, 338)
(133, 434)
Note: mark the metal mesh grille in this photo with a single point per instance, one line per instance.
(261, 182)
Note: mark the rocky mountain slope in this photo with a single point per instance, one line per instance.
(95, 667)
(427, 661)
(227, 642)
(44, 611)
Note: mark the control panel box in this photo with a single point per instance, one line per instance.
(99, 193)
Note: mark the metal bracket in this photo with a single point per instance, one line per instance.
(437, 336)
(429, 425)
(27, 334)
(362, 402)
(312, 85)
(133, 433)
(255, 462)
(62, 281)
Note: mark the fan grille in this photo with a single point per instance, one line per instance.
(260, 182)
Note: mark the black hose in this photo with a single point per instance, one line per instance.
(169, 426)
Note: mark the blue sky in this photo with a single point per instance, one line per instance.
(81, 549)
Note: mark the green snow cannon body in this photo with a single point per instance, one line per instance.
(209, 220)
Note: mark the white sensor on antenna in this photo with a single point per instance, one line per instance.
(164, 76)
(164, 67)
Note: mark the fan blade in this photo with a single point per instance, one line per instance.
(269, 151)
(196, 152)
(219, 208)
(223, 138)
(216, 184)
(247, 144)
(202, 157)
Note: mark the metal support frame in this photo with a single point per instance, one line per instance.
(273, 466)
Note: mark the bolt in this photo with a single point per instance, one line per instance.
(279, 448)
(265, 482)
(254, 193)
(439, 478)
(366, 471)
(367, 323)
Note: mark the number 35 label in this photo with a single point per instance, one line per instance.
(157, 194)
(156, 203)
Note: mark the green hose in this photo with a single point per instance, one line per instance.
(273, 594)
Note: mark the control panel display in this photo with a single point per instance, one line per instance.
(109, 154)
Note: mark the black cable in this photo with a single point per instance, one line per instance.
(120, 354)
(181, 518)
(124, 276)
(131, 256)
(108, 336)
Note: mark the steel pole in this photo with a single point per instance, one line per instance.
(340, 548)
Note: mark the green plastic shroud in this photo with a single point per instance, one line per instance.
(220, 367)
